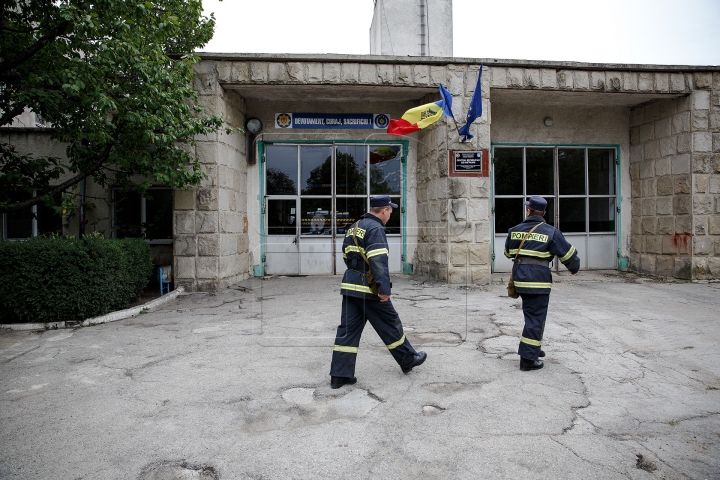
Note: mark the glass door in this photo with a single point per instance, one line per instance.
(282, 210)
(315, 192)
(579, 186)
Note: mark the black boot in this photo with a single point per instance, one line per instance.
(527, 365)
(541, 354)
(417, 359)
(337, 382)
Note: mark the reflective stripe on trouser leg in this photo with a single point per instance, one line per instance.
(535, 309)
(352, 322)
(386, 322)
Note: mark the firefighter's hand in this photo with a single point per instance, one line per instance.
(383, 298)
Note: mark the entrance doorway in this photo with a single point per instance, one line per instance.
(580, 186)
(314, 192)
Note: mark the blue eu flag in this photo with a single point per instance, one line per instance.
(475, 110)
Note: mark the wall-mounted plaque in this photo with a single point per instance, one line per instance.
(466, 163)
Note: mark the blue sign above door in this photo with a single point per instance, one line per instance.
(375, 121)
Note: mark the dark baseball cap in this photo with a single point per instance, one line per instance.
(537, 203)
(382, 201)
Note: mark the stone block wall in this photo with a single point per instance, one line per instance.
(577, 79)
(674, 171)
(706, 177)
(210, 224)
(453, 212)
(432, 254)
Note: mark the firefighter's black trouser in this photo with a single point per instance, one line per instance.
(386, 322)
(535, 309)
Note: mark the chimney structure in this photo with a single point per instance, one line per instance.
(422, 28)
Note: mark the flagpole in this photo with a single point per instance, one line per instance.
(456, 126)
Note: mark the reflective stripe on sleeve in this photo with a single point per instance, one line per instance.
(379, 251)
(569, 254)
(397, 344)
(530, 341)
(355, 288)
(532, 284)
(345, 349)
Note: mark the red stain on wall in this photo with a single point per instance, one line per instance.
(680, 241)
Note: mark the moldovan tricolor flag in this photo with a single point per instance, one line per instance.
(423, 116)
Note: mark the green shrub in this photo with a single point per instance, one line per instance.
(49, 279)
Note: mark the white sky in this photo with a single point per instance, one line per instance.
(669, 32)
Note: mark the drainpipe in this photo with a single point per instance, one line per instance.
(623, 262)
(81, 229)
(423, 25)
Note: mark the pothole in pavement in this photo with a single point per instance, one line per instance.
(499, 345)
(355, 403)
(644, 464)
(439, 338)
(178, 470)
(299, 396)
(432, 410)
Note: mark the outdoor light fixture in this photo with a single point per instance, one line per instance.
(548, 121)
(253, 126)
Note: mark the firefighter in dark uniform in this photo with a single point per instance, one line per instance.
(532, 275)
(365, 291)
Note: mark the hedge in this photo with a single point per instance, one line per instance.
(52, 279)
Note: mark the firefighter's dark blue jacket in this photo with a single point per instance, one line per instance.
(545, 243)
(372, 241)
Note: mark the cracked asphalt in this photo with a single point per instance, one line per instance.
(235, 385)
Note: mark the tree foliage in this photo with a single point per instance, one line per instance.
(280, 183)
(350, 179)
(101, 73)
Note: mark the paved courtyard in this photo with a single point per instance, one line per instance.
(235, 385)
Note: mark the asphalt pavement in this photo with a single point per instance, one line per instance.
(235, 385)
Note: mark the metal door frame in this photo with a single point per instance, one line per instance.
(259, 270)
(621, 261)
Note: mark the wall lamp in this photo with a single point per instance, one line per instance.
(253, 126)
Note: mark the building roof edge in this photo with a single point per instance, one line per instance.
(494, 62)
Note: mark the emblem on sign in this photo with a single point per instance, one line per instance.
(381, 121)
(283, 120)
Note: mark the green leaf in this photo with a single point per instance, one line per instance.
(109, 90)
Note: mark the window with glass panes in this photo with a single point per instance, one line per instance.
(578, 183)
(148, 216)
(323, 189)
(32, 221)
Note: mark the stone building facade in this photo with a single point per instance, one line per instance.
(659, 124)
(664, 124)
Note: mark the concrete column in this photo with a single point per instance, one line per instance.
(705, 175)
(210, 229)
(453, 212)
